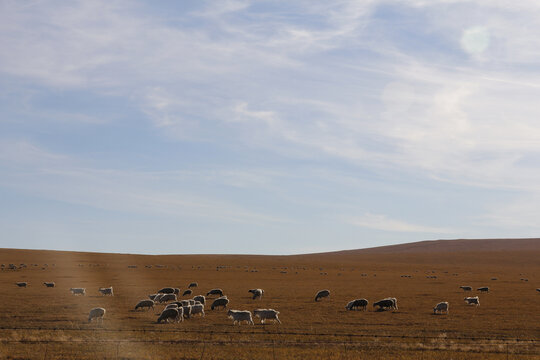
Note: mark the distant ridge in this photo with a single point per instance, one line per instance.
(449, 246)
(530, 245)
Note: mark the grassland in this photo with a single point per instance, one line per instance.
(49, 323)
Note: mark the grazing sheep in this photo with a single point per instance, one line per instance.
(145, 304)
(165, 297)
(78, 291)
(49, 284)
(158, 297)
(22, 284)
(215, 292)
(187, 311)
(220, 302)
(386, 303)
(167, 290)
(322, 294)
(538, 289)
(257, 293)
(153, 296)
(96, 313)
(358, 303)
(193, 285)
(197, 309)
(200, 298)
(483, 289)
(238, 316)
(466, 288)
(171, 306)
(440, 307)
(267, 314)
(472, 300)
(184, 302)
(170, 314)
(187, 292)
(106, 291)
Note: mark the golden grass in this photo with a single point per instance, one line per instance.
(50, 323)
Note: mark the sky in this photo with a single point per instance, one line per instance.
(267, 127)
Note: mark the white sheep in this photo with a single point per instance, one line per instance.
(171, 314)
(266, 314)
(171, 306)
(472, 300)
(96, 313)
(215, 292)
(200, 298)
(197, 309)
(240, 315)
(161, 298)
(168, 290)
(357, 303)
(220, 302)
(440, 307)
(386, 303)
(145, 304)
(106, 291)
(322, 294)
(78, 291)
(187, 311)
(257, 293)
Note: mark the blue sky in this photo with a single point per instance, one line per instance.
(268, 127)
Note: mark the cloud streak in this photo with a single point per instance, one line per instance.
(382, 222)
(35, 171)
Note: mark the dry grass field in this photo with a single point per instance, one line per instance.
(50, 323)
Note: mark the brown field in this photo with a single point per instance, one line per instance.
(49, 323)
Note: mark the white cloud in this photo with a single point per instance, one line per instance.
(382, 222)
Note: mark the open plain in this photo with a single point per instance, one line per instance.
(39, 322)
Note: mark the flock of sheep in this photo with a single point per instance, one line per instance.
(390, 303)
(177, 310)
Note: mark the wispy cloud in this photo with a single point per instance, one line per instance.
(382, 222)
(35, 171)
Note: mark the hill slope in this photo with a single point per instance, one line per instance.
(446, 246)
